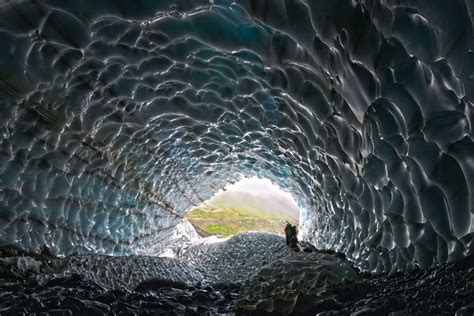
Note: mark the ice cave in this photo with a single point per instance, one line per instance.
(118, 117)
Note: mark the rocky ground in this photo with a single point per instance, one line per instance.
(443, 290)
(75, 295)
(228, 278)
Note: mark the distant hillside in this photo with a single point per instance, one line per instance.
(225, 222)
(270, 204)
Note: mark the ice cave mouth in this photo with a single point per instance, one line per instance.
(250, 204)
(116, 118)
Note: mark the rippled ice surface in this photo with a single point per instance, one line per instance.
(231, 260)
(237, 258)
(128, 271)
(117, 116)
(234, 260)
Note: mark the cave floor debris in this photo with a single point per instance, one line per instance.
(273, 281)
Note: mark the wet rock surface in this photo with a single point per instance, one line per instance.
(75, 295)
(238, 258)
(443, 290)
(301, 283)
(274, 281)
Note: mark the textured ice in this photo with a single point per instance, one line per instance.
(233, 260)
(117, 116)
(236, 259)
(124, 272)
(292, 284)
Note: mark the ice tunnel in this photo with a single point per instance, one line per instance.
(118, 116)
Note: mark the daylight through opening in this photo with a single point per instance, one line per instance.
(251, 204)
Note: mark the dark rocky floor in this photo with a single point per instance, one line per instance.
(75, 296)
(443, 290)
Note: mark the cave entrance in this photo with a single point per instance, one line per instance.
(251, 204)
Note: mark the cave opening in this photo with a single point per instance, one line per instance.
(250, 204)
(116, 117)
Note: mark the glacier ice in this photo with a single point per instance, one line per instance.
(117, 116)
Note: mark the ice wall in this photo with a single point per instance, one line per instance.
(116, 116)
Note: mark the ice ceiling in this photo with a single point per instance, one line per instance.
(117, 116)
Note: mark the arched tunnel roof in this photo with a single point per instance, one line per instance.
(117, 116)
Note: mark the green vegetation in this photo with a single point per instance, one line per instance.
(221, 230)
(225, 222)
